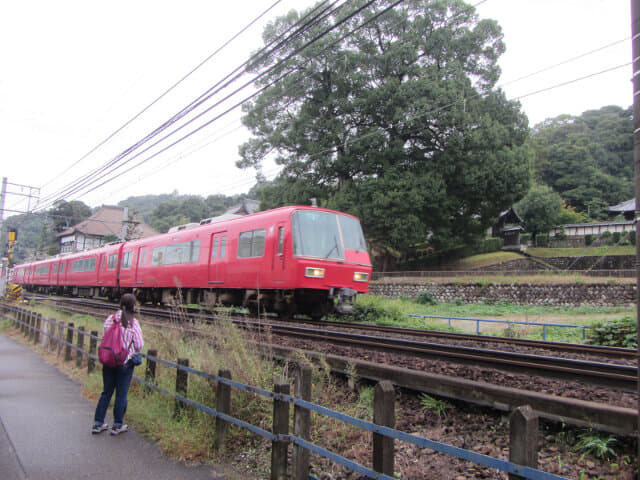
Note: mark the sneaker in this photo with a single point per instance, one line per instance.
(115, 430)
(99, 428)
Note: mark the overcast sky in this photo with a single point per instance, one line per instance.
(73, 72)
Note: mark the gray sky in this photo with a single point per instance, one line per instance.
(73, 72)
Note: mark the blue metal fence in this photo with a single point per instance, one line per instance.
(508, 322)
(439, 447)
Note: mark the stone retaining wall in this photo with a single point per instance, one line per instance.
(597, 294)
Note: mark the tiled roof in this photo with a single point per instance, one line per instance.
(106, 221)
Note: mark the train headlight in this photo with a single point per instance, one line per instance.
(360, 277)
(312, 272)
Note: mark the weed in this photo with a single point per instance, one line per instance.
(439, 407)
(596, 444)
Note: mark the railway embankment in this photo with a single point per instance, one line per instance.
(562, 294)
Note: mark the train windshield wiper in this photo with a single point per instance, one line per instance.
(335, 247)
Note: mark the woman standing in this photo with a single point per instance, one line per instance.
(119, 378)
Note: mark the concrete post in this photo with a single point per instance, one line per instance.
(223, 405)
(384, 397)
(280, 426)
(301, 423)
(523, 438)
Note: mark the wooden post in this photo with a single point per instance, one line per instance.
(150, 370)
(301, 423)
(23, 316)
(80, 345)
(27, 326)
(36, 328)
(60, 337)
(182, 383)
(46, 334)
(93, 346)
(384, 397)
(280, 426)
(223, 405)
(67, 349)
(523, 438)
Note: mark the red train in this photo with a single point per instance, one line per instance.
(288, 260)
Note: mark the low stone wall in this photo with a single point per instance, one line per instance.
(575, 294)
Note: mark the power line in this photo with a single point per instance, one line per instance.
(183, 112)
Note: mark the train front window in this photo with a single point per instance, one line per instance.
(352, 234)
(317, 234)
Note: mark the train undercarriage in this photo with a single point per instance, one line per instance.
(284, 303)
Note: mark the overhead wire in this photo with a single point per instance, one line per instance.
(84, 186)
(197, 102)
(166, 92)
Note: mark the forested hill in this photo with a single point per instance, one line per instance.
(587, 159)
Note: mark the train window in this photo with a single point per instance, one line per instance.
(214, 249)
(223, 246)
(352, 233)
(251, 244)
(55, 268)
(316, 234)
(280, 240)
(141, 257)
(126, 260)
(84, 265)
(62, 268)
(42, 270)
(184, 252)
(113, 261)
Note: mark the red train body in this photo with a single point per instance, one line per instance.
(289, 260)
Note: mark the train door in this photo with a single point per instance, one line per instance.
(140, 266)
(102, 265)
(278, 260)
(217, 257)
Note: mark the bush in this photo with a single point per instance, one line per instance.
(588, 239)
(632, 237)
(524, 238)
(616, 237)
(371, 309)
(617, 333)
(542, 240)
(560, 235)
(425, 297)
(492, 244)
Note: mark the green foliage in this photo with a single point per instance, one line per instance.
(560, 235)
(542, 240)
(372, 309)
(617, 333)
(492, 244)
(425, 297)
(587, 159)
(589, 238)
(540, 209)
(524, 238)
(439, 407)
(596, 444)
(356, 128)
(632, 237)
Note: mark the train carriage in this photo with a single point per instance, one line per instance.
(288, 260)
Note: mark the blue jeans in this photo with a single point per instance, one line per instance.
(118, 379)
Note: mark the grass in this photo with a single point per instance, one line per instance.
(583, 252)
(484, 259)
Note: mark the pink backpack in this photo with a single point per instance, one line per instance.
(112, 352)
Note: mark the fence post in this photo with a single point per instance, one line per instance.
(150, 370)
(280, 426)
(27, 325)
(46, 334)
(93, 344)
(80, 345)
(384, 414)
(67, 348)
(523, 438)
(301, 422)
(23, 314)
(36, 330)
(223, 405)
(60, 337)
(182, 382)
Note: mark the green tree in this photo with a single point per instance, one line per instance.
(67, 214)
(587, 159)
(540, 209)
(396, 122)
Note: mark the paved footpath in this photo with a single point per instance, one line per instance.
(45, 430)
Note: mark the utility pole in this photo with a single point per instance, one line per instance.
(635, 53)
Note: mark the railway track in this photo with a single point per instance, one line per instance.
(603, 374)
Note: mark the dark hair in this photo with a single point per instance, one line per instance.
(127, 304)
